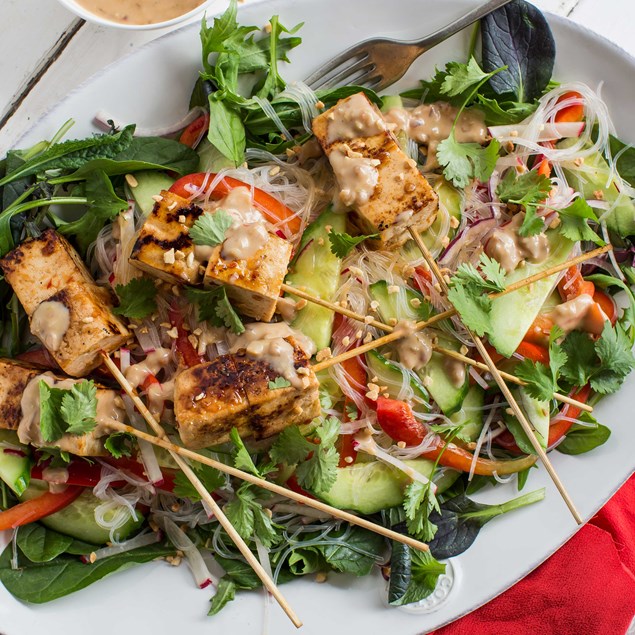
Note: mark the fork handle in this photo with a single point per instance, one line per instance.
(458, 25)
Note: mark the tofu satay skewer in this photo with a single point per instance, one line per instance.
(336, 308)
(244, 549)
(270, 486)
(419, 326)
(498, 378)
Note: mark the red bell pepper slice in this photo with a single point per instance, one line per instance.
(36, 508)
(451, 455)
(195, 131)
(273, 210)
(398, 421)
(607, 304)
(187, 352)
(534, 352)
(574, 112)
(559, 427)
(573, 285)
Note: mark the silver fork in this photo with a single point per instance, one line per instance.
(379, 62)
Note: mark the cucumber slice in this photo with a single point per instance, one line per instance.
(470, 416)
(538, 414)
(592, 177)
(513, 314)
(370, 487)
(317, 270)
(15, 470)
(434, 376)
(149, 184)
(392, 375)
(78, 519)
(399, 306)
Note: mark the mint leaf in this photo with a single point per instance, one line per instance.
(574, 222)
(210, 229)
(463, 162)
(79, 407)
(137, 299)
(278, 382)
(342, 244)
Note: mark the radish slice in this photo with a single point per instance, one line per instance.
(546, 132)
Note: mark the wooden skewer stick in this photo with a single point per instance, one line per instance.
(419, 326)
(272, 487)
(520, 415)
(244, 549)
(444, 351)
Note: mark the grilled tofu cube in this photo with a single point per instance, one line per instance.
(209, 400)
(273, 410)
(14, 377)
(252, 285)
(376, 178)
(67, 310)
(19, 380)
(164, 248)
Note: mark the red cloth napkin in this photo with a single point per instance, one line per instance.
(586, 588)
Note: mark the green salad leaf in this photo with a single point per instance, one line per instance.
(137, 299)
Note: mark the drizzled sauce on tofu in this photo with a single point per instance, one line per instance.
(108, 409)
(50, 322)
(158, 393)
(356, 175)
(509, 248)
(248, 233)
(353, 118)
(575, 314)
(429, 124)
(266, 342)
(414, 349)
(139, 11)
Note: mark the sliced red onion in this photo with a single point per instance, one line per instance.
(474, 233)
(101, 119)
(195, 560)
(14, 452)
(141, 540)
(546, 132)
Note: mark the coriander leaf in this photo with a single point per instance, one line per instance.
(614, 351)
(574, 223)
(352, 413)
(419, 503)
(494, 274)
(459, 77)
(103, 206)
(316, 464)
(474, 310)
(211, 478)
(214, 307)
(279, 382)
(463, 162)
(52, 424)
(225, 593)
(342, 244)
(79, 407)
(493, 278)
(229, 317)
(249, 518)
(242, 458)
(581, 358)
(136, 299)
(532, 223)
(118, 444)
(210, 229)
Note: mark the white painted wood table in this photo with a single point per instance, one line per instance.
(47, 52)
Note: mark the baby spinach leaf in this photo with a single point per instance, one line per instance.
(581, 439)
(461, 519)
(357, 554)
(625, 163)
(39, 582)
(518, 36)
(226, 131)
(40, 544)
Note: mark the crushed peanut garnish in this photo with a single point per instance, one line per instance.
(131, 180)
(325, 353)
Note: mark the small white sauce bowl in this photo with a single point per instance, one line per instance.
(83, 13)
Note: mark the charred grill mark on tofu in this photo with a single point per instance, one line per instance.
(14, 377)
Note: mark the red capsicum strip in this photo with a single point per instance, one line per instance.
(44, 505)
(273, 210)
(193, 133)
(187, 352)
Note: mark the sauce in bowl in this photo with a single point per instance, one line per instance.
(139, 11)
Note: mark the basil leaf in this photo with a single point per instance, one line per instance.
(518, 36)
